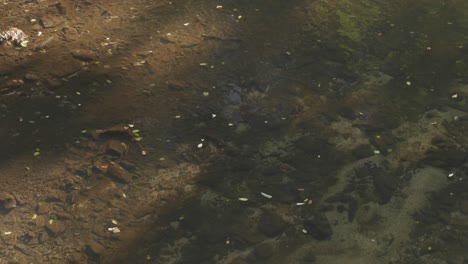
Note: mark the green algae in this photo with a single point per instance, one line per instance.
(349, 26)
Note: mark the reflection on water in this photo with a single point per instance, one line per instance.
(286, 132)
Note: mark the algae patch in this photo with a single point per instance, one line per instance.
(355, 18)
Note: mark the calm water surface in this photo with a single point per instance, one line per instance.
(256, 132)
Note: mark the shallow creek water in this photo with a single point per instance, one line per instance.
(234, 132)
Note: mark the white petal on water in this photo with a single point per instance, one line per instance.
(266, 195)
(243, 199)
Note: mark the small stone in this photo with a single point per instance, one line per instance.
(31, 77)
(7, 201)
(271, 224)
(127, 164)
(318, 227)
(119, 173)
(116, 148)
(55, 228)
(83, 55)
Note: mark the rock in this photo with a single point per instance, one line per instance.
(31, 77)
(168, 39)
(83, 55)
(317, 226)
(116, 148)
(7, 201)
(51, 21)
(119, 173)
(271, 224)
(115, 131)
(54, 229)
(127, 164)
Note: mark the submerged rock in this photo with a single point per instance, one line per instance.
(7, 201)
(119, 173)
(271, 224)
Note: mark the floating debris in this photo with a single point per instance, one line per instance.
(7, 233)
(113, 230)
(451, 175)
(266, 195)
(37, 152)
(243, 199)
(300, 204)
(14, 36)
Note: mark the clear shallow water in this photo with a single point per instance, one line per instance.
(298, 132)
